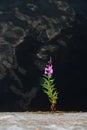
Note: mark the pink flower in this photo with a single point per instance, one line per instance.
(48, 68)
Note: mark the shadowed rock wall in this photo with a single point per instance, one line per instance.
(31, 32)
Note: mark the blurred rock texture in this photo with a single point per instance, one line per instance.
(31, 32)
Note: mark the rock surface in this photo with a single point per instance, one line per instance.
(20, 19)
(31, 32)
(33, 121)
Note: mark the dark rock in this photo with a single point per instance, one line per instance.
(31, 32)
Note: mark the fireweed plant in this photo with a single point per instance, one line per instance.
(48, 85)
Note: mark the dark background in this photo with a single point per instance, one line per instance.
(20, 88)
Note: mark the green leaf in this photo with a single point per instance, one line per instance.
(49, 88)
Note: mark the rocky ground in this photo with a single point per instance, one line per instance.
(43, 121)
